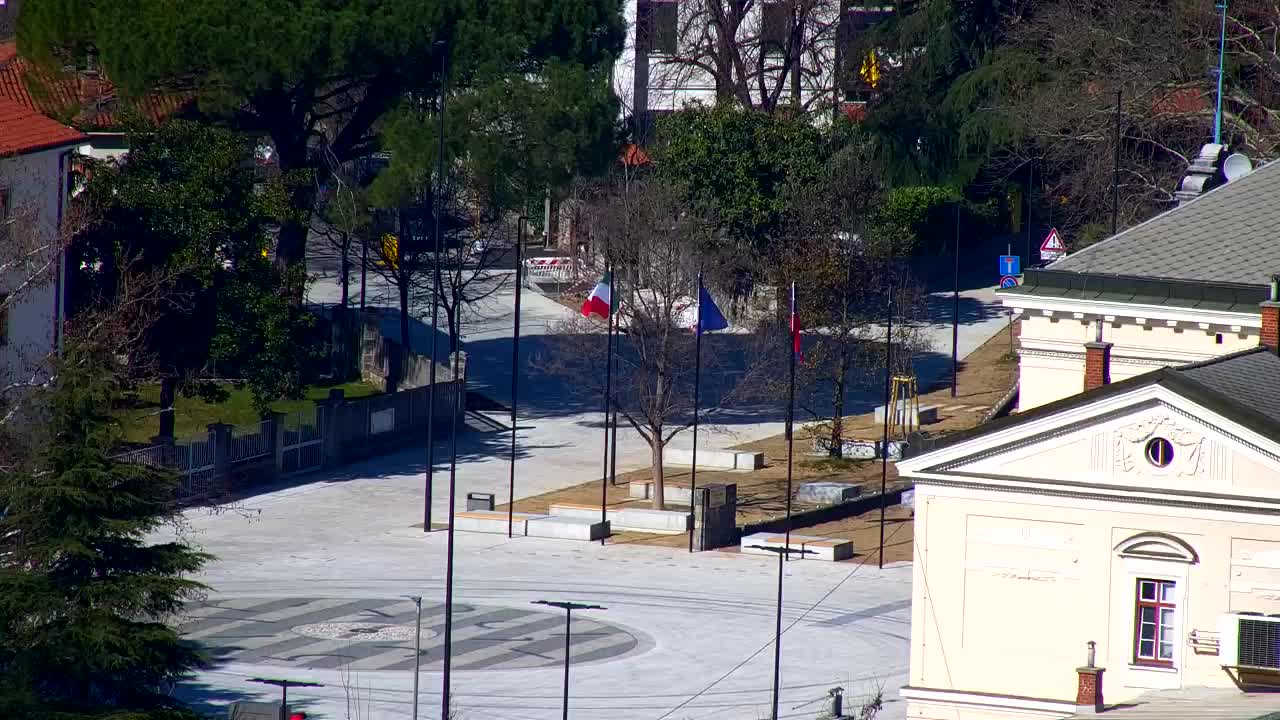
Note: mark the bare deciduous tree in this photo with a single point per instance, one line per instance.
(651, 240)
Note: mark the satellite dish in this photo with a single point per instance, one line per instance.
(1236, 166)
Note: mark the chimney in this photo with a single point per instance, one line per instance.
(1204, 174)
(1089, 685)
(1269, 336)
(1097, 361)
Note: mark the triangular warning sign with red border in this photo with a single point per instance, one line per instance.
(1053, 244)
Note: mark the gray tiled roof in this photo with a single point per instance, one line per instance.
(1250, 377)
(1226, 235)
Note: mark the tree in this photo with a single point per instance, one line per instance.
(83, 594)
(319, 76)
(652, 238)
(231, 311)
(734, 165)
(756, 54)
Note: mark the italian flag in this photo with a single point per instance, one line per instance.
(598, 301)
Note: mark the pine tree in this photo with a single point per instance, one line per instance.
(83, 596)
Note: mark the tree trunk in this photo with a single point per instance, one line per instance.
(346, 268)
(291, 241)
(403, 287)
(837, 414)
(168, 392)
(659, 478)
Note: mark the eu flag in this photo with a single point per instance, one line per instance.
(709, 316)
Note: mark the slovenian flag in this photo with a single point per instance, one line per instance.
(709, 316)
(598, 301)
(795, 327)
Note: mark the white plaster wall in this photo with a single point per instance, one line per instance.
(35, 182)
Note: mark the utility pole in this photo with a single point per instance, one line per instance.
(783, 553)
(417, 651)
(568, 608)
(437, 207)
(284, 686)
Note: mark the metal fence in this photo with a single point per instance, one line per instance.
(249, 442)
(195, 463)
(303, 442)
(153, 456)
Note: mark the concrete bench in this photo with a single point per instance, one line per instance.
(659, 521)
(492, 521)
(581, 510)
(927, 414)
(827, 493)
(567, 528)
(644, 491)
(713, 459)
(821, 548)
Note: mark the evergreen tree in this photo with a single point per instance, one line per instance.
(83, 596)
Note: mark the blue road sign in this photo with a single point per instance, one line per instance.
(1008, 281)
(1010, 265)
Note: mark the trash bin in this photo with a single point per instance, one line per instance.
(479, 501)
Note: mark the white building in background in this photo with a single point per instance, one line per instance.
(1185, 286)
(669, 58)
(35, 160)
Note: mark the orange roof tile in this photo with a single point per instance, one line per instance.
(23, 130)
(90, 102)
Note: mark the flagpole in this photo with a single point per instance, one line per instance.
(608, 397)
(515, 374)
(884, 448)
(697, 390)
(791, 408)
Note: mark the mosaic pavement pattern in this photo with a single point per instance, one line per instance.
(371, 634)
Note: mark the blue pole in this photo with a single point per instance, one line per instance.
(1222, 47)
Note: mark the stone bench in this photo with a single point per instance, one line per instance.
(530, 525)
(628, 518)
(713, 459)
(659, 521)
(644, 491)
(821, 548)
(926, 414)
(567, 528)
(827, 493)
(581, 510)
(493, 521)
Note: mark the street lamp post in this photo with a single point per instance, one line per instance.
(417, 651)
(521, 224)
(783, 553)
(568, 608)
(435, 297)
(284, 686)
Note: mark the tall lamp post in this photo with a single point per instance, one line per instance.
(284, 686)
(568, 608)
(436, 206)
(783, 553)
(417, 651)
(521, 223)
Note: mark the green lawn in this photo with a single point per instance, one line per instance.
(141, 421)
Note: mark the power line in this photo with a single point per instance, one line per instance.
(764, 647)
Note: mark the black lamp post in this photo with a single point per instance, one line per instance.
(284, 686)
(783, 553)
(568, 608)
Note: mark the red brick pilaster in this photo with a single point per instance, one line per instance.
(1097, 365)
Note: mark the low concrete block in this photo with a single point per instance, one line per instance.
(492, 521)
(566, 528)
(710, 459)
(827, 493)
(927, 414)
(579, 510)
(659, 521)
(748, 460)
(644, 491)
(820, 548)
(909, 498)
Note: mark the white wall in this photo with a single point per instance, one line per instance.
(35, 184)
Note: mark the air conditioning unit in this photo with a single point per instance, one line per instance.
(1249, 640)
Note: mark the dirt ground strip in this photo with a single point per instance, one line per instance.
(985, 376)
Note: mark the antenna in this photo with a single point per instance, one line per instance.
(1222, 50)
(1236, 166)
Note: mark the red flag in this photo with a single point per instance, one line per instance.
(795, 327)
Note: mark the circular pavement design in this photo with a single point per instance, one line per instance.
(377, 634)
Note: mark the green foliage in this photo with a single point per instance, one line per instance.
(185, 208)
(83, 595)
(285, 69)
(908, 216)
(735, 165)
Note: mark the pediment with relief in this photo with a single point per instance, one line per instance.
(1132, 444)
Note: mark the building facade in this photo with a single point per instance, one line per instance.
(1182, 287)
(779, 52)
(36, 154)
(1101, 547)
